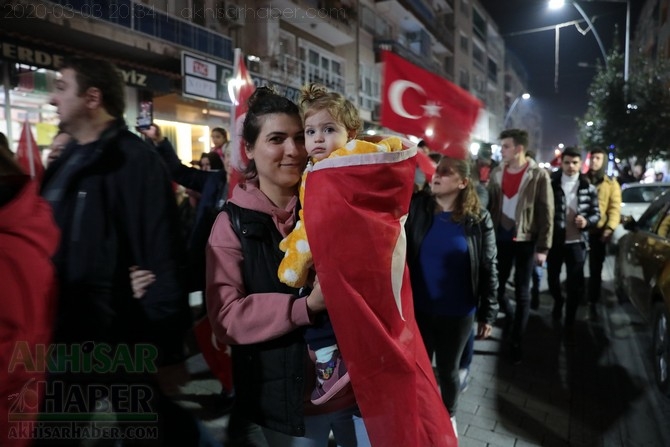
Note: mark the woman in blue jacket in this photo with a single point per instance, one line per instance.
(450, 237)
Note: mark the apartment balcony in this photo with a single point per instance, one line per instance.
(148, 21)
(403, 51)
(332, 21)
(291, 71)
(431, 20)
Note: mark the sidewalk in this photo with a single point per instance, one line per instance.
(597, 393)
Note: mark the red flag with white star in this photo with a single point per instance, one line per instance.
(360, 264)
(420, 103)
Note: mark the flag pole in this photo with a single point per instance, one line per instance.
(29, 142)
(231, 88)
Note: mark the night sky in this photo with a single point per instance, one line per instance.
(560, 107)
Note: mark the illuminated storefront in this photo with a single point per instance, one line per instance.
(29, 71)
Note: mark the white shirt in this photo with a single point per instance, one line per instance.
(570, 184)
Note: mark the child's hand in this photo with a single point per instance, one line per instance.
(315, 301)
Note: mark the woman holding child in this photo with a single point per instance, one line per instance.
(251, 310)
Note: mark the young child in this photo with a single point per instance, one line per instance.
(331, 124)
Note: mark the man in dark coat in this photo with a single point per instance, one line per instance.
(112, 199)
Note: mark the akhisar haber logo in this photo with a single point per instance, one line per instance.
(25, 401)
(87, 357)
(63, 402)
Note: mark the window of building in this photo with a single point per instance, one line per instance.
(493, 70)
(465, 8)
(464, 79)
(478, 24)
(465, 43)
(198, 5)
(370, 87)
(322, 66)
(478, 56)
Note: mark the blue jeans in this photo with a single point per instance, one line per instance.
(537, 278)
(468, 352)
(574, 256)
(347, 426)
(521, 255)
(597, 254)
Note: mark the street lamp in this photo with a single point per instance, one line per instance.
(556, 4)
(524, 96)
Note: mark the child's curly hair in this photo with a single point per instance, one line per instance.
(316, 97)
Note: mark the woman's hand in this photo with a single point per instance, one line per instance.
(483, 331)
(140, 280)
(315, 301)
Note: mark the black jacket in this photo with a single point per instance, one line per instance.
(269, 377)
(213, 189)
(481, 248)
(587, 206)
(115, 207)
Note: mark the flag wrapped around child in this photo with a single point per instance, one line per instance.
(354, 209)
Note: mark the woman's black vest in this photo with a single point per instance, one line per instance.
(269, 377)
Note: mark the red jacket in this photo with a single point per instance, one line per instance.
(28, 239)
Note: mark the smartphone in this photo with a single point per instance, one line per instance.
(145, 116)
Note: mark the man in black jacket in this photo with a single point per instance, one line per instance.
(113, 202)
(213, 188)
(576, 211)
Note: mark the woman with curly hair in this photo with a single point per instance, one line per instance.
(450, 237)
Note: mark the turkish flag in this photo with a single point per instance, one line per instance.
(358, 242)
(28, 154)
(420, 103)
(426, 165)
(240, 89)
(587, 163)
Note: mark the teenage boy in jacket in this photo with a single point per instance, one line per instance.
(521, 205)
(609, 202)
(576, 211)
(113, 202)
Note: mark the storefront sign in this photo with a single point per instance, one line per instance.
(204, 78)
(29, 54)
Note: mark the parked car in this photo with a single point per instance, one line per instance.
(635, 198)
(642, 275)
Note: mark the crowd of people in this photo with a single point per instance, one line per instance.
(98, 260)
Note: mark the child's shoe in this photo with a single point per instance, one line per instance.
(331, 378)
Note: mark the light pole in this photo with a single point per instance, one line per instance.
(523, 96)
(555, 4)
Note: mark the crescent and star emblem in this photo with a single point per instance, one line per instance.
(395, 93)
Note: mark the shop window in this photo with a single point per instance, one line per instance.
(28, 100)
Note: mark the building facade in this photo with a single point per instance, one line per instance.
(288, 43)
